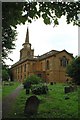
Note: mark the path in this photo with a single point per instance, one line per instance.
(8, 101)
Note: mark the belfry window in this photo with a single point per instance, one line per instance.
(47, 64)
(63, 61)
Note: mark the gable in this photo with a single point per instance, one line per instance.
(64, 53)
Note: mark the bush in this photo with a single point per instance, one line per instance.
(5, 75)
(39, 89)
(73, 70)
(33, 79)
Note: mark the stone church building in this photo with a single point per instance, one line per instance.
(50, 66)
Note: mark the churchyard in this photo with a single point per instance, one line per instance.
(55, 104)
(8, 87)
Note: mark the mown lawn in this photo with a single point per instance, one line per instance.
(52, 105)
(7, 89)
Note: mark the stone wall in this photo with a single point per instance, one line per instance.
(49, 67)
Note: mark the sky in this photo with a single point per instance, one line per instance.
(45, 38)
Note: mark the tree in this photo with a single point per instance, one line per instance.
(14, 13)
(73, 70)
(5, 73)
(11, 16)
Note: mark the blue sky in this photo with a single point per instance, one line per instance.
(46, 37)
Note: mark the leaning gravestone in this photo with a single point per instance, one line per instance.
(31, 106)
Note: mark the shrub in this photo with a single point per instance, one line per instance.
(73, 70)
(39, 89)
(33, 79)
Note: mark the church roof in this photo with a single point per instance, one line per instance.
(44, 56)
(53, 53)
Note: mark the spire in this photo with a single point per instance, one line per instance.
(27, 36)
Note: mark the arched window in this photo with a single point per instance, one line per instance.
(47, 64)
(63, 61)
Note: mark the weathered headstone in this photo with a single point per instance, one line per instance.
(31, 106)
(66, 98)
(70, 88)
(54, 82)
(27, 85)
(67, 89)
(51, 83)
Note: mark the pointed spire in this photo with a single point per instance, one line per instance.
(27, 36)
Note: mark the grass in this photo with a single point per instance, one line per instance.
(0, 91)
(53, 105)
(7, 89)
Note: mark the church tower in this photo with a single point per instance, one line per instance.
(26, 51)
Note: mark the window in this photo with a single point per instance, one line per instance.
(25, 68)
(21, 76)
(21, 68)
(63, 61)
(39, 75)
(18, 69)
(47, 64)
(41, 66)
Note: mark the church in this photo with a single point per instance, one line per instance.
(51, 66)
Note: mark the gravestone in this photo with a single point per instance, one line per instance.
(31, 106)
(27, 85)
(68, 89)
(51, 83)
(66, 98)
(71, 88)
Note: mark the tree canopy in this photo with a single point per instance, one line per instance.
(14, 13)
(11, 16)
(73, 70)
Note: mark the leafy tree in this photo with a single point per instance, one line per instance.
(11, 16)
(51, 11)
(5, 74)
(14, 13)
(73, 70)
